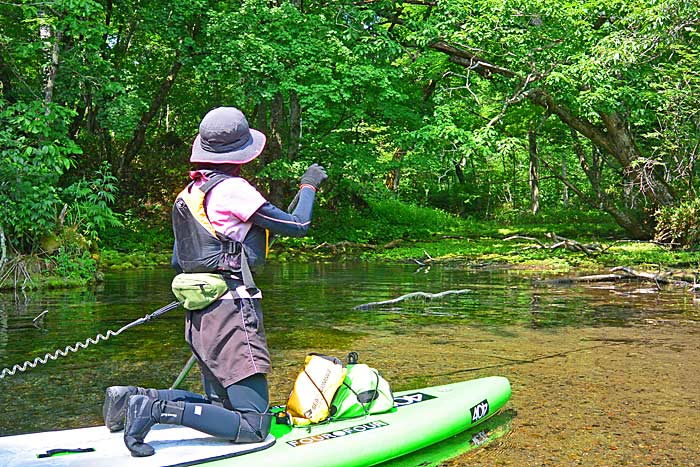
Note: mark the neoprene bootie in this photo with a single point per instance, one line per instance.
(114, 407)
(254, 427)
(141, 414)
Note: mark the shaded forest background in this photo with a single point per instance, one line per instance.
(480, 108)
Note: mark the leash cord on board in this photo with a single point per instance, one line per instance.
(10, 371)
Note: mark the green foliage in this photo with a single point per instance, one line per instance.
(134, 259)
(35, 153)
(359, 87)
(679, 226)
(89, 203)
(381, 222)
(631, 61)
(72, 263)
(137, 233)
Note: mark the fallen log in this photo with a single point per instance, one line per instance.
(530, 239)
(619, 273)
(393, 243)
(559, 242)
(659, 278)
(426, 295)
(592, 278)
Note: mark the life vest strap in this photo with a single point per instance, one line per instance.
(232, 252)
(213, 179)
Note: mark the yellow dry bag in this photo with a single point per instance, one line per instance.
(314, 389)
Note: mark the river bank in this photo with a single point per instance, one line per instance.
(586, 241)
(530, 253)
(477, 251)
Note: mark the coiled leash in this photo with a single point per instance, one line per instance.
(9, 371)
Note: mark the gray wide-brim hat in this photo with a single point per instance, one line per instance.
(225, 138)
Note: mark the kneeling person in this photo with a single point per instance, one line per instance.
(225, 234)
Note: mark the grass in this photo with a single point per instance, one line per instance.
(397, 232)
(389, 230)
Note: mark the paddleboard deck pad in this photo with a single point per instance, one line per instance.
(420, 418)
(174, 445)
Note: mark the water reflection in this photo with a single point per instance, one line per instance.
(478, 437)
(307, 307)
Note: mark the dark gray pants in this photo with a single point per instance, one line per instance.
(224, 412)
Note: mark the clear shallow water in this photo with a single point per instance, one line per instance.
(309, 307)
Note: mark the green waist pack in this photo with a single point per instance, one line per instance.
(363, 392)
(196, 291)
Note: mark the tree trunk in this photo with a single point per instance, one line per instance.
(429, 90)
(630, 224)
(277, 126)
(565, 190)
(622, 146)
(137, 140)
(617, 141)
(3, 250)
(5, 81)
(275, 149)
(459, 172)
(514, 184)
(80, 111)
(262, 123)
(294, 126)
(394, 175)
(593, 169)
(260, 118)
(534, 171)
(52, 69)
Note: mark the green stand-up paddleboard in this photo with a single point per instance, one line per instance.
(420, 418)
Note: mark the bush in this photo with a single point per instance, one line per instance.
(679, 226)
(35, 151)
(36, 156)
(382, 221)
(73, 264)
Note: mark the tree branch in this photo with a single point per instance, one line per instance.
(420, 2)
(624, 273)
(469, 60)
(52, 67)
(428, 296)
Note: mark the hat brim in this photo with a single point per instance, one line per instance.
(240, 156)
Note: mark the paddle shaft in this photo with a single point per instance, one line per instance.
(183, 373)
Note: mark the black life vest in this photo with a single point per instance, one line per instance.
(199, 248)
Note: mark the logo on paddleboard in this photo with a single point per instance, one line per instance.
(480, 410)
(338, 433)
(408, 399)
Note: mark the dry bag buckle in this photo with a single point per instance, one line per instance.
(352, 358)
(282, 418)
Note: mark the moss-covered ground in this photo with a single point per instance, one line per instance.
(392, 231)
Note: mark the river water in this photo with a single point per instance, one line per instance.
(602, 374)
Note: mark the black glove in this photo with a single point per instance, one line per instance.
(313, 176)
